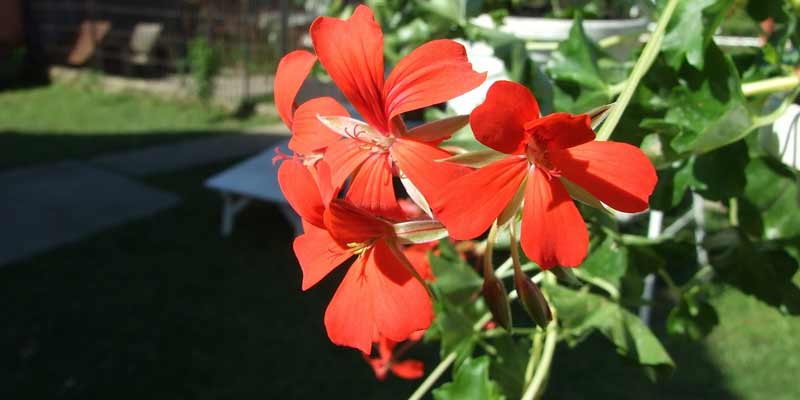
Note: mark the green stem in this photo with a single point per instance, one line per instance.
(733, 211)
(445, 363)
(433, 376)
(543, 368)
(771, 85)
(487, 254)
(643, 64)
(536, 354)
(599, 282)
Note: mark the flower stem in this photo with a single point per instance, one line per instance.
(536, 353)
(601, 283)
(771, 85)
(733, 211)
(543, 369)
(433, 376)
(651, 50)
(487, 254)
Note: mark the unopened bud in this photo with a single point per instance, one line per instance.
(532, 299)
(494, 293)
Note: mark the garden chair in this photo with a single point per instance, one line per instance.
(253, 179)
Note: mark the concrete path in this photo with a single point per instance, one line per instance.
(49, 205)
(175, 157)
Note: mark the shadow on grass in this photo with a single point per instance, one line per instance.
(165, 308)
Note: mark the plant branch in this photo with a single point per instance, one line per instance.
(543, 369)
(771, 85)
(433, 376)
(651, 50)
(445, 363)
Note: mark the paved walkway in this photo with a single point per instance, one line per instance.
(49, 205)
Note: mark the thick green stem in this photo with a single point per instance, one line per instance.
(543, 369)
(771, 85)
(445, 363)
(433, 376)
(643, 64)
(733, 211)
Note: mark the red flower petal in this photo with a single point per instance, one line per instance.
(433, 73)
(352, 53)
(301, 191)
(371, 188)
(350, 224)
(618, 174)
(318, 254)
(292, 71)
(418, 256)
(349, 317)
(500, 121)
(401, 303)
(408, 369)
(344, 157)
(417, 161)
(308, 134)
(377, 297)
(553, 231)
(468, 205)
(562, 130)
(323, 177)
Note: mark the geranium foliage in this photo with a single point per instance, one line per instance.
(498, 234)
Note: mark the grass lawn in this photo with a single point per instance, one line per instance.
(164, 308)
(79, 121)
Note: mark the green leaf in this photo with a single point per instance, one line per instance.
(456, 281)
(576, 59)
(771, 203)
(691, 29)
(607, 260)
(720, 174)
(756, 268)
(706, 110)
(470, 382)
(457, 303)
(508, 366)
(581, 312)
(693, 318)
(673, 182)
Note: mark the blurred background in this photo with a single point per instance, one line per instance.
(145, 250)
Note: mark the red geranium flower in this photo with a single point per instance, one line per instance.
(373, 151)
(379, 296)
(309, 136)
(387, 359)
(544, 155)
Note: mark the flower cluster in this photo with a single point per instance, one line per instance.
(342, 178)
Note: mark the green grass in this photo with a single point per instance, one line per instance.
(165, 308)
(79, 121)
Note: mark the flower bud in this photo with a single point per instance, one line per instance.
(494, 293)
(532, 299)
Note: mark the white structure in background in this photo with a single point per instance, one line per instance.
(482, 58)
(541, 31)
(253, 179)
(783, 141)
